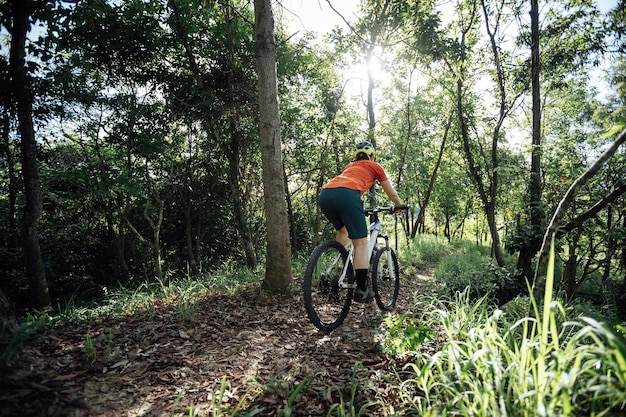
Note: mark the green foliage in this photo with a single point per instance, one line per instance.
(290, 391)
(431, 250)
(425, 251)
(470, 269)
(549, 365)
(14, 343)
(128, 127)
(402, 335)
(491, 366)
(465, 357)
(98, 346)
(220, 402)
(185, 294)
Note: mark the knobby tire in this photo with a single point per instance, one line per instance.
(386, 285)
(326, 304)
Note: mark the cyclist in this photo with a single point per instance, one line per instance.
(341, 203)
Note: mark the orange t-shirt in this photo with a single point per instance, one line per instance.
(359, 175)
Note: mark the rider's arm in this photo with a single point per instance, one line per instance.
(391, 193)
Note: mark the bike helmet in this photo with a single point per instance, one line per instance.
(365, 147)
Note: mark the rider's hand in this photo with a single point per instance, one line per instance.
(400, 208)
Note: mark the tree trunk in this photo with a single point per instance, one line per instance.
(486, 192)
(234, 153)
(534, 207)
(35, 273)
(611, 249)
(11, 174)
(8, 322)
(421, 216)
(231, 147)
(622, 261)
(293, 230)
(117, 238)
(122, 270)
(489, 203)
(278, 257)
(156, 235)
(194, 269)
(568, 276)
(371, 116)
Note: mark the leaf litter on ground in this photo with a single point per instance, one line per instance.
(233, 346)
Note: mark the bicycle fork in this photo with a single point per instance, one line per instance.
(390, 266)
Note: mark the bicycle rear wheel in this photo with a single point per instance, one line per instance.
(326, 303)
(385, 278)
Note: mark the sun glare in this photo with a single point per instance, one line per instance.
(357, 76)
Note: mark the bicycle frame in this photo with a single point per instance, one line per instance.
(374, 231)
(328, 291)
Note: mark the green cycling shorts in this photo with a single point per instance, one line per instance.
(344, 207)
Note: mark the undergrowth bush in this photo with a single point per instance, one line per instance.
(13, 343)
(474, 271)
(492, 363)
(424, 251)
(402, 334)
(490, 366)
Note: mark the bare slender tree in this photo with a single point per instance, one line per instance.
(21, 12)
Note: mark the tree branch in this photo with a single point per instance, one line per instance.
(566, 201)
(595, 209)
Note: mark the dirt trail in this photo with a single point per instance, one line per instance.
(161, 365)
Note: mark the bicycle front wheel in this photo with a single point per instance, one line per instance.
(325, 301)
(385, 278)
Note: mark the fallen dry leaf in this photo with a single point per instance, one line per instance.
(239, 345)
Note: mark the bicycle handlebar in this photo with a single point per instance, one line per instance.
(388, 209)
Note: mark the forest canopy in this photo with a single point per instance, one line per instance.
(131, 149)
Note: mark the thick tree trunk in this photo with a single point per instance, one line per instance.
(35, 273)
(278, 258)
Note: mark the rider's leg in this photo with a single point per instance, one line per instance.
(342, 236)
(360, 253)
(360, 269)
(360, 256)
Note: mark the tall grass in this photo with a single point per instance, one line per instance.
(490, 365)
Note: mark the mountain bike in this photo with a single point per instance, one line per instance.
(329, 279)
